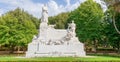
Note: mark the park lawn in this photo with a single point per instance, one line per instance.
(56, 59)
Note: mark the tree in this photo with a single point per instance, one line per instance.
(60, 20)
(114, 15)
(110, 31)
(88, 18)
(17, 29)
(114, 6)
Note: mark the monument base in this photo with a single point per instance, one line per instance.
(35, 49)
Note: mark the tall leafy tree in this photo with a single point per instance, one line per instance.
(113, 13)
(88, 18)
(114, 7)
(17, 29)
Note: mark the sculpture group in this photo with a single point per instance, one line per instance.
(51, 42)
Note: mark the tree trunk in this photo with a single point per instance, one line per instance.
(24, 49)
(118, 47)
(18, 48)
(115, 25)
(0, 47)
(94, 46)
(11, 49)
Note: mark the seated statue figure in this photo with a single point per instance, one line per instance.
(72, 28)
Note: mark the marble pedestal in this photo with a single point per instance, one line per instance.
(37, 50)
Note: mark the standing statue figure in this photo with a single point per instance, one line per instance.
(73, 26)
(44, 14)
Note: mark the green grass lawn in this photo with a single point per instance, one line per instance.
(59, 59)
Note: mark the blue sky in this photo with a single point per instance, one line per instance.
(34, 6)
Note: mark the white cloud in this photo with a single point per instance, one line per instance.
(53, 8)
(102, 3)
(68, 2)
(1, 12)
(81, 1)
(74, 6)
(27, 5)
(35, 8)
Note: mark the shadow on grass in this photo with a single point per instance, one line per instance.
(106, 55)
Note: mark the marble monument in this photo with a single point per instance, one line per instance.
(51, 42)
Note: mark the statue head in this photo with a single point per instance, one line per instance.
(44, 8)
(72, 21)
(45, 5)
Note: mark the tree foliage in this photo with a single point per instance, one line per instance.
(17, 28)
(113, 15)
(88, 18)
(60, 20)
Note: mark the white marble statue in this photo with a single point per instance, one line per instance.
(34, 38)
(44, 17)
(51, 42)
(72, 28)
